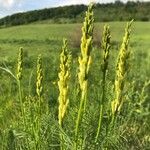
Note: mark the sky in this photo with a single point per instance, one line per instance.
(8, 7)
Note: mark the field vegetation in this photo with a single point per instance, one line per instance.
(57, 95)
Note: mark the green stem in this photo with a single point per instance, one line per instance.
(99, 122)
(85, 102)
(37, 125)
(79, 118)
(101, 106)
(61, 141)
(21, 104)
(112, 123)
(39, 122)
(60, 134)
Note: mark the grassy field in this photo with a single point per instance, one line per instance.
(42, 38)
(131, 130)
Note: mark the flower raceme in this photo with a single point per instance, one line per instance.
(122, 70)
(64, 76)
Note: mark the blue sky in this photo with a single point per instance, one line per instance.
(8, 7)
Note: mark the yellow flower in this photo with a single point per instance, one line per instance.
(64, 76)
(122, 70)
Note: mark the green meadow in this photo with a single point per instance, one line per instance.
(42, 38)
(131, 130)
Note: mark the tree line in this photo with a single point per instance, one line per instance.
(118, 11)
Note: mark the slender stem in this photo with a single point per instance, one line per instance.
(39, 121)
(84, 97)
(79, 117)
(61, 140)
(37, 126)
(101, 106)
(60, 134)
(100, 122)
(21, 104)
(112, 123)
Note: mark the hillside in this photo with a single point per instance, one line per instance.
(117, 11)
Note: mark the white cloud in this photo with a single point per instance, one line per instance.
(9, 3)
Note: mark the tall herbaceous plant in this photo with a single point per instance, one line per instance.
(19, 78)
(104, 67)
(84, 63)
(38, 104)
(63, 85)
(121, 72)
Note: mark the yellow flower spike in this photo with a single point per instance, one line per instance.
(84, 63)
(64, 76)
(104, 67)
(20, 62)
(122, 70)
(39, 79)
